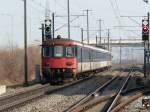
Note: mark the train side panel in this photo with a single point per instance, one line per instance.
(90, 60)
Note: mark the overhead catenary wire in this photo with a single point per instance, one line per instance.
(64, 8)
(117, 6)
(58, 3)
(64, 25)
(132, 31)
(115, 12)
(132, 19)
(40, 5)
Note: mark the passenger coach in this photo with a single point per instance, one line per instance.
(65, 59)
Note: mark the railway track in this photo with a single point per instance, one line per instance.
(126, 100)
(22, 96)
(116, 98)
(98, 96)
(85, 104)
(112, 102)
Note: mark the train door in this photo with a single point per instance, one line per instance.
(91, 60)
(79, 58)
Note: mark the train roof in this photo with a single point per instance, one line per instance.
(64, 41)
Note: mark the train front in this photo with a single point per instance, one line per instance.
(58, 60)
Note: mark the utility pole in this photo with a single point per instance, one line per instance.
(53, 20)
(120, 52)
(25, 45)
(82, 35)
(87, 14)
(148, 43)
(100, 29)
(104, 43)
(108, 40)
(96, 41)
(68, 7)
(145, 68)
(43, 37)
(43, 32)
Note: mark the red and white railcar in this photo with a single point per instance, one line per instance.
(64, 58)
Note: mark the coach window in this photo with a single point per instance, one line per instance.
(69, 51)
(47, 51)
(58, 51)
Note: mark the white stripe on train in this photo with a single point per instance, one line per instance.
(92, 65)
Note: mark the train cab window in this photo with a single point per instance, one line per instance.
(58, 51)
(47, 51)
(69, 51)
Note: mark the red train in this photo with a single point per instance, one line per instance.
(68, 59)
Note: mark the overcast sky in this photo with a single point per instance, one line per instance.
(11, 18)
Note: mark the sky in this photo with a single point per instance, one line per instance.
(110, 11)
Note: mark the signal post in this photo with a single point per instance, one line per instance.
(145, 38)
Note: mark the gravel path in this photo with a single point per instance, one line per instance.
(61, 100)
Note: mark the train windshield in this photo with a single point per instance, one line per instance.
(58, 51)
(69, 51)
(47, 51)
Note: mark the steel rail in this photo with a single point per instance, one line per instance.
(101, 99)
(19, 92)
(119, 93)
(23, 96)
(127, 102)
(91, 95)
(138, 91)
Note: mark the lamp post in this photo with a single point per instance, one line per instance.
(68, 6)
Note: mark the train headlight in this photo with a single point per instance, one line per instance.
(69, 63)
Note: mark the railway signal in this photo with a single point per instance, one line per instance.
(48, 29)
(145, 30)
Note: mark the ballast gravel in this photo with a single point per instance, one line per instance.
(61, 100)
(136, 106)
(10, 90)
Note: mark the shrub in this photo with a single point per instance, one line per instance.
(12, 63)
